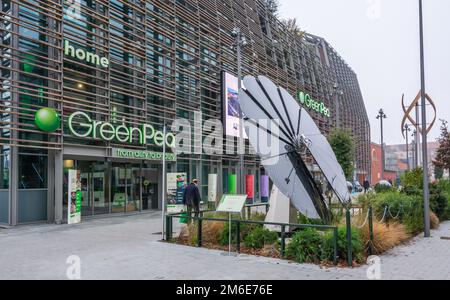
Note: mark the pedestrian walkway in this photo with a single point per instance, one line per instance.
(129, 248)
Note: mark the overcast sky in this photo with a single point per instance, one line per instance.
(379, 39)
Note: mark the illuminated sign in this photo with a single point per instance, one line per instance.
(83, 55)
(86, 127)
(307, 101)
(82, 126)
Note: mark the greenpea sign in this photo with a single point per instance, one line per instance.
(86, 127)
(306, 100)
(47, 119)
(82, 126)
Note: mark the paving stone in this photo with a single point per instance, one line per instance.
(126, 248)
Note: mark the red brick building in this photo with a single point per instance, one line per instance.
(375, 150)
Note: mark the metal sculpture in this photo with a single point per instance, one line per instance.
(409, 109)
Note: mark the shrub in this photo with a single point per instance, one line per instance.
(444, 185)
(412, 191)
(434, 221)
(409, 209)
(385, 237)
(364, 200)
(381, 188)
(245, 230)
(302, 219)
(357, 245)
(212, 231)
(413, 219)
(259, 237)
(305, 246)
(438, 201)
(413, 178)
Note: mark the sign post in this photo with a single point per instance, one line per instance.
(212, 188)
(74, 197)
(231, 204)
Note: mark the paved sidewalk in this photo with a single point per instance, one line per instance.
(128, 248)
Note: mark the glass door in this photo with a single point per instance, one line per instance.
(133, 188)
(93, 187)
(118, 188)
(87, 203)
(150, 188)
(99, 188)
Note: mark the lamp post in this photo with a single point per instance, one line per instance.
(381, 116)
(163, 198)
(414, 149)
(239, 43)
(426, 191)
(407, 129)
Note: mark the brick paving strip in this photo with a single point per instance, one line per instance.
(127, 248)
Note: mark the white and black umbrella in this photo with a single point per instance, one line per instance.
(264, 105)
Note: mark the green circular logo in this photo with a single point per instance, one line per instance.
(47, 119)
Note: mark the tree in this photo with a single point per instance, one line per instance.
(443, 152)
(344, 147)
(293, 27)
(272, 6)
(438, 172)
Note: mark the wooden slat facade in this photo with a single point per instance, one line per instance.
(166, 58)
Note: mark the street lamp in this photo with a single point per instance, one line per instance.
(406, 130)
(381, 116)
(240, 41)
(426, 191)
(414, 149)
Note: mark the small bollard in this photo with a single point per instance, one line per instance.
(349, 238)
(238, 237)
(199, 233)
(169, 228)
(371, 250)
(283, 240)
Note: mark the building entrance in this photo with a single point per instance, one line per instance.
(115, 187)
(93, 188)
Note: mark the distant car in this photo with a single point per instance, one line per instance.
(354, 187)
(350, 186)
(358, 187)
(385, 182)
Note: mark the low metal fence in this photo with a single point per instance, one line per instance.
(283, 226)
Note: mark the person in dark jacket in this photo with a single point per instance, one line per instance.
(366, 186)
(191, 198)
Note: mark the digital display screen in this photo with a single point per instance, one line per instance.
(231, 106)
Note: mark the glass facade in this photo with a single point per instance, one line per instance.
(163, 61)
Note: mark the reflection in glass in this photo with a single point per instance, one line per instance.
(118, 188)
(32, 172)
(134, 188)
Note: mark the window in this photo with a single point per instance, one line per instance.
(32, 171)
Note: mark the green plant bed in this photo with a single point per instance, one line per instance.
(408, 209)
(381, 188)
(342, 248)
(260, 237)
(306, 246)
(245, 230)
(313, 246)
